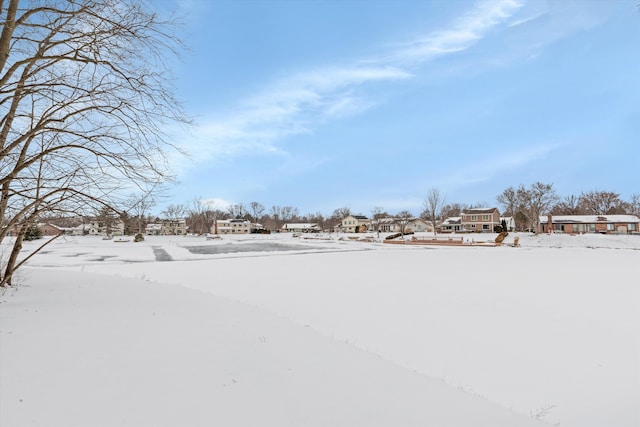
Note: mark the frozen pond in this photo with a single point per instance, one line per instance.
(231, 248)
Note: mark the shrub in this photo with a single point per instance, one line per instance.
(138, 238)
(33, 233)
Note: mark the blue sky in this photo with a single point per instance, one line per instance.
(325, 104)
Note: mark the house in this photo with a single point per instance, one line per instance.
(392, 225)
(98, 227)
(153, 229)
(480, 220)
(301, 228)
(418, 225)
(604, 224)
(167, 227)
(385, 225)
(50, 229)
(232, 226)
(451, 225)
(509, 221)
(174, 227)
(355, 224)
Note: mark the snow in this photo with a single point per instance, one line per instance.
(323, 331)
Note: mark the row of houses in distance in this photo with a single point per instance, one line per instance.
(469, 221)
(112, 228)
(90, 228)
(481, 220)
(484, 220)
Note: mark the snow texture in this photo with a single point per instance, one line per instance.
(284, 331)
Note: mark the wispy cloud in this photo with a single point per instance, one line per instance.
(301, 102)
(464, 32)
(293, 106)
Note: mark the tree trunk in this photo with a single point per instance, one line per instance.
(13, 258)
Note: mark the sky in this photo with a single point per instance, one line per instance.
(321, 105)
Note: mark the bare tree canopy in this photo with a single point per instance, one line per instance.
(433, 204)
(535, 201)
(601, 203)
(85, 99)
(403, 218)
(257, 210)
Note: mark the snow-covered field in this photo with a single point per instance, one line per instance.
(284, 331)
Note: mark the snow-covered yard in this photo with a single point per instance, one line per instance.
(284, 331)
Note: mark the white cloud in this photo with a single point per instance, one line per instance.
(299, 103)
(293, 106)
(465, 31)
(215, 203)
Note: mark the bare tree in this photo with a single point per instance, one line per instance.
(139, 207)
(433, 204)
(634, 203)
(199, 216)
(174, 212)
(453, 210)
(85, 101)
(341, 213)
(257, 210)
(318, 218)
(535, 201)
(377, 213)
(289, 213)
(237, 211)
(570, 205)
(276, 214)
(601, 203)
(403, 218)
(509, 201)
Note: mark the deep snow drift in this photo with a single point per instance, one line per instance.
(276, 330)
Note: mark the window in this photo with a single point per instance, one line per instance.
(474, 217)
(631, 227)
(610, 227)
(486, 217)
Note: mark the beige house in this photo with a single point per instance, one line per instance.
(392, 225)
(101, 228)
(480, 220)
(232, 226)
(167, 227)
(355, 224)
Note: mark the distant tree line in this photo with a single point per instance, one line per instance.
(524, 204)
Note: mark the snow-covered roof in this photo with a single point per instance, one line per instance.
(452, 220)
(301, 225)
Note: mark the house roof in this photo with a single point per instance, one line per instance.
(234, 221)
(301, 225)
(452, 220)
(392, 220)
(475, 211)
(590, 219)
